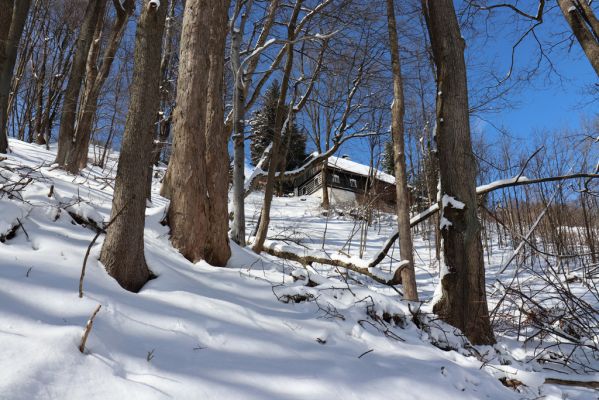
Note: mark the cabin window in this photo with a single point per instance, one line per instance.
(353, 183)
(335, 178)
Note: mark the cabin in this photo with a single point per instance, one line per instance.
(349, 183)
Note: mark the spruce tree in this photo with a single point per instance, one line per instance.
(388, 163)
(262, 125)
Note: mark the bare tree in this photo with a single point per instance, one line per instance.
(94, 11)
(401, 177)
(462, 301)
(123, 250)
(12, 21)
(94, 81)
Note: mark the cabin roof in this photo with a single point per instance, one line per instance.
(358, 169)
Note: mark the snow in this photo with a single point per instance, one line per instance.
(501, 182)
(359, 169)
(10, 211)
(223, 333)
(448, 201)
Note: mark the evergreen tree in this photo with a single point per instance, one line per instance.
(388, 162)
(262, 125)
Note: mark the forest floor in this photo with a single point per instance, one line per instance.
(260, 328)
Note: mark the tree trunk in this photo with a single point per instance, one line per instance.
(326, 203)
(277, 133)
(462, 301)
(217, 251)
(585, 26)
(406, 250)
(238, 228)
(195, 188)
(40, 95)
(164, 122)
(123, 250)
(94, 11)
(77, 157)
(14, 13)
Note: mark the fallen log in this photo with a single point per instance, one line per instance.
(566, 382)
(306, 257)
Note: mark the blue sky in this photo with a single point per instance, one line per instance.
(555, 98)
(558, 95)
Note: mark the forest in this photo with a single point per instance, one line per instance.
(289, 199)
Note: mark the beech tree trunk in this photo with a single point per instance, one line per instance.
(95, 10)
(123, 250)
(217, 251)
(197, 177)
(238, 228)
(585, 26)
(95, 79)
(463, 301)
(13, 14)
(406, 249)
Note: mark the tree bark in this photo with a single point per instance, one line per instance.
(238, 228)
(326, 203)
(585, 26)
(406, 249)
(194, 187)
(463, 301)
(217, 251)
(94, 11)
(123, 250)
(12, 21)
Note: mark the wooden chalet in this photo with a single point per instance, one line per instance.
(349, 183)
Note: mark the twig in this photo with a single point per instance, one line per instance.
(23, 228)
(88, 328)
(366, 352)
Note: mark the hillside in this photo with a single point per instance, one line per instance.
(260, 328)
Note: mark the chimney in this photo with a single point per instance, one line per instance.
(345, 156)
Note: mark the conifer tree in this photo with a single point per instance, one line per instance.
(262, 126)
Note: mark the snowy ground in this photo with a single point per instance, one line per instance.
(219, 333)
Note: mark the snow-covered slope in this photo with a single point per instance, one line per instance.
(199, 332)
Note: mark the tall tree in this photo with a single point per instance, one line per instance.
(94, 11)
(12, 20)
(238, 225)
(243, 80)
(463, 301)
(94, 81)
(280, 118)
(406, 249)
(123, 250)
(197, 177)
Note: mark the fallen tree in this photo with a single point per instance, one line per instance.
(307, 257)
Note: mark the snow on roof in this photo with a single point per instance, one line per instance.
(358, 169)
